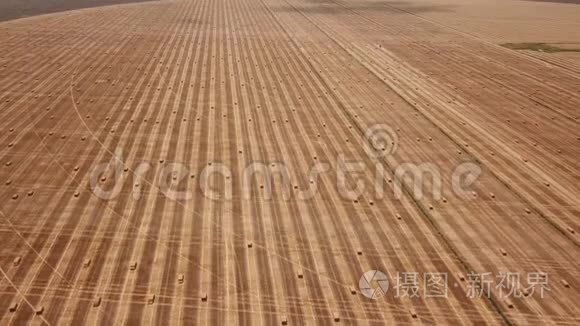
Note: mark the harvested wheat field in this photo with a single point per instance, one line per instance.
(290, 162)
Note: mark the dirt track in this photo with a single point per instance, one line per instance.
(280, 82)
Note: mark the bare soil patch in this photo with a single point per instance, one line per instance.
(13, 9)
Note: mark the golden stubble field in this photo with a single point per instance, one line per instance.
(290, 162)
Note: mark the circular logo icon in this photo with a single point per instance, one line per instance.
(373, 284)
(380, 141)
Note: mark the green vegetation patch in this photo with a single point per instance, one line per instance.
(540, 47)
